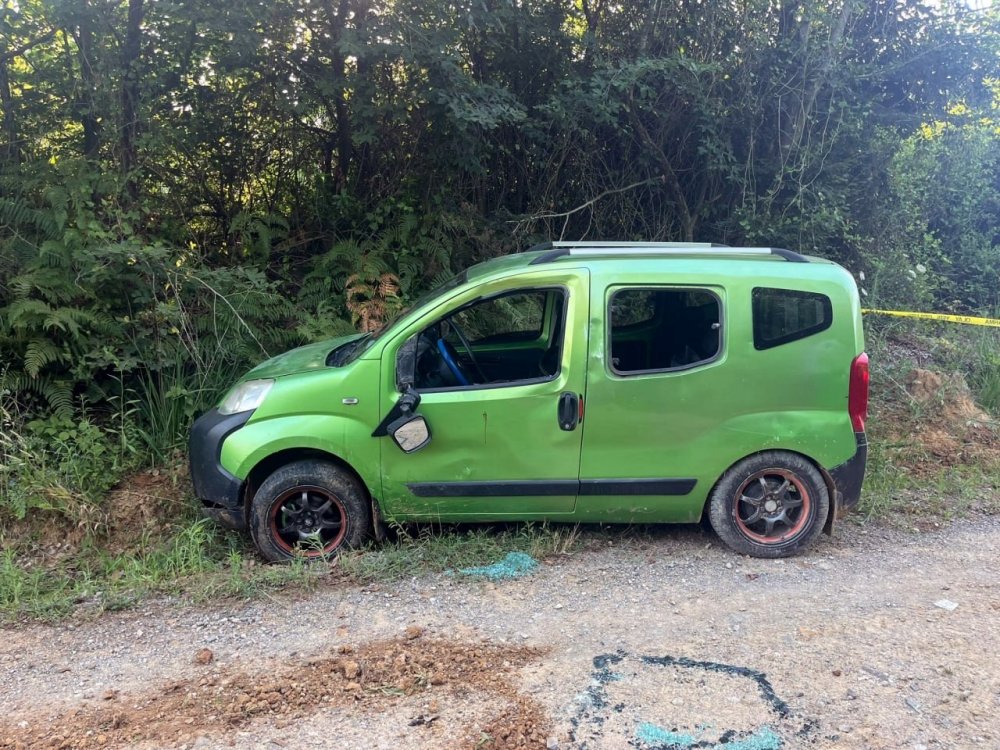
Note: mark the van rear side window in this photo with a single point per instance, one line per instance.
(657, 330)
(781, 316)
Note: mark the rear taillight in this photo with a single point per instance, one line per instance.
(857, 399)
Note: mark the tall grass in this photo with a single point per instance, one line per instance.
(165, 403)
(985, 375)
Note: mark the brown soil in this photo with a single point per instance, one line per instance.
(950, 430)
(877, 638)
(948, 391)
(144, 509)
(362, 679)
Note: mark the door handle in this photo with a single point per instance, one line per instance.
(569, 411)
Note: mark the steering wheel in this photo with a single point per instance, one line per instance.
(478, 371)
(450, 357)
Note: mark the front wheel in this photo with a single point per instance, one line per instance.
(772, 504)
(308, 509)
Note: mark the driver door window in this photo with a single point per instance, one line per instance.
(505, 339)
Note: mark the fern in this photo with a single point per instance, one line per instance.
(27, 313)
(40, 353)
(57, 394)
(18, 216)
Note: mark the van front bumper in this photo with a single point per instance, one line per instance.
(220, 492)
(849, 476)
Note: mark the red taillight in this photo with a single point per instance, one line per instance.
(857, 399)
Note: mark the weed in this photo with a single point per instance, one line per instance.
(431, 549)
(63, 465)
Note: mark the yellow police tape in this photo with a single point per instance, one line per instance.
(967, 319)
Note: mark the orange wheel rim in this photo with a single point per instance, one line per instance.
(772, 506)
(308, 520)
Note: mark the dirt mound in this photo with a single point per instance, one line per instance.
(363, 678)
(938, 424)
(949, 392)
(144, 508)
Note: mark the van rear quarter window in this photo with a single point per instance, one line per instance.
(781, 316)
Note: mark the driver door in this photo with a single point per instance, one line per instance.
(500, 447)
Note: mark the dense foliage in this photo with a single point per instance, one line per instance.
(186, 186)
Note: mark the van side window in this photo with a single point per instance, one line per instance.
(781, 316)
(654, 330)
(506, 319)
(506, 339)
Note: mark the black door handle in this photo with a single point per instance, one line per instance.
(569, 411)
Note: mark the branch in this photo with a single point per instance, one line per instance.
(229, 304)
(8, 56)
(592, 201)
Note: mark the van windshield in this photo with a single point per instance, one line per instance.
(364, 344)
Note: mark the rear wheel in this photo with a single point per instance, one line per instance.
(772, 504)
(308, 509)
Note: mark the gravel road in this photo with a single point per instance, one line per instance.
(666, 641)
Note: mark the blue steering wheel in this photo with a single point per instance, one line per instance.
(450, 359)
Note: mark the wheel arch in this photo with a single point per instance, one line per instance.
(831, 487)
(271, 463)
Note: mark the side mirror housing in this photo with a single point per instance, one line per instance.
(402, 410)
(410, 433)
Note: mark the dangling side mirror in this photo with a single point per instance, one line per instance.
(410, 432)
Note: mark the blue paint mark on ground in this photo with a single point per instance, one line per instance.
(652, 737)
(514, 565)
(763, 739)
(658, 737)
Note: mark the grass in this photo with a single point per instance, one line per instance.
(201, 563)
(429, 549)
(908, 481)
(895, 493)
(198, 564)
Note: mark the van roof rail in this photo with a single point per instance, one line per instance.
(554, 250)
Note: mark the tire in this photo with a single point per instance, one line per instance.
(309, 509)
(772, 504)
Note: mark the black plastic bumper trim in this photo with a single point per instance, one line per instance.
(850, 475)
(554, 488)
(213, 485)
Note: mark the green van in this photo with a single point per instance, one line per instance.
(609, 382)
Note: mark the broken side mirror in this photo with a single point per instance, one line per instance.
(410, 432)
(399, 417)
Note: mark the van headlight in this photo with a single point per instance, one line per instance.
(246, 396)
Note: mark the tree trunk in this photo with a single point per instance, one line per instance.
(85, 50)
(345, 141)
(130, 96)
(12, 150)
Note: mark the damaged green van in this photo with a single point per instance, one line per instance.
(581, 382)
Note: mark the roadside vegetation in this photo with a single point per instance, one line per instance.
(935, 425)
(186, 189)
(91, 528)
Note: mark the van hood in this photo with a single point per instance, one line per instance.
(302, 359)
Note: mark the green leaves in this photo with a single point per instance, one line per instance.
(290, 165)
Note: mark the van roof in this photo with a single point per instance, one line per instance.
(603, 253)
